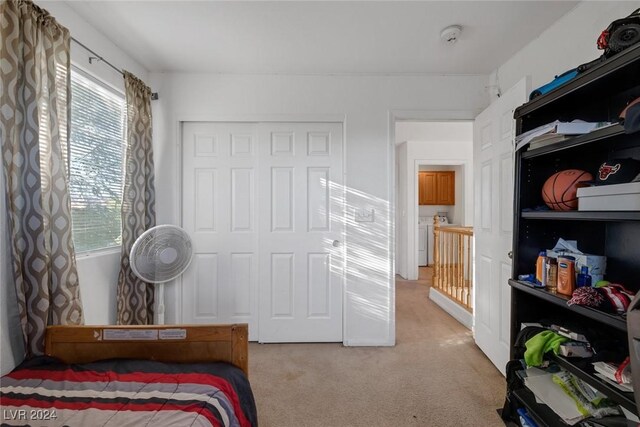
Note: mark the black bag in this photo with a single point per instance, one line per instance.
(514, 382)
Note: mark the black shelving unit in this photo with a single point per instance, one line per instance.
(598, 95)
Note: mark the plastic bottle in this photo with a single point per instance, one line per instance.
(531, 278)
(552, 274)
(566, 275)
(541, 274)
(584, 278)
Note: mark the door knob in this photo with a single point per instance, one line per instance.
(510, 254)
(336, 243)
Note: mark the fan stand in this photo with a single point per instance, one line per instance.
(160, 307)
(165, 245)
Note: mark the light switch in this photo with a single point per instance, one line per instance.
(364, 215)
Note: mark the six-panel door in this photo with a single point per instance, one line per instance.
(264, 204)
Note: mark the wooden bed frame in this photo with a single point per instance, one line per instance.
(164, 343)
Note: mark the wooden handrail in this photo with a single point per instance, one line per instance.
(452, 256)
(467, 231)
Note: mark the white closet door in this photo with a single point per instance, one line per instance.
(264, 204)
(301, 225)
(219, 213)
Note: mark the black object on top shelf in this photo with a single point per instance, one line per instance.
(604, 74)
(612, 320)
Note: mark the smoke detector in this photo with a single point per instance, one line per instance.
(450, 34)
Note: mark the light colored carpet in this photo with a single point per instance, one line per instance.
(434, 376)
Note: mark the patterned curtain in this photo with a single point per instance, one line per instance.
(34, 106)
(135, 297)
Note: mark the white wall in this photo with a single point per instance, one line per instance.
(569, 42)
(401, 210)
(96, 41)
(97, 272)
(366, 103)
(449, 131)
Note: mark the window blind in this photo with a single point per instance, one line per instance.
(96, 156)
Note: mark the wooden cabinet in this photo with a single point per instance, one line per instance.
(427, 188)
(596, 95)
(446, 188)
(436, 188)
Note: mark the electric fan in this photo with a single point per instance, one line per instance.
(159, 255)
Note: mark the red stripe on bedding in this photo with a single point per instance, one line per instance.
(143, 377)
(78, 406)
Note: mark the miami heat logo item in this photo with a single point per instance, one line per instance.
(607, 170)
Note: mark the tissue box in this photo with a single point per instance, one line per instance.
(616, 197)
(597, 264)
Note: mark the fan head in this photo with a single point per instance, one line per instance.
(161, 254)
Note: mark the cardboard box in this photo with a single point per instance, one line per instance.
(616, 197)
(597, 264)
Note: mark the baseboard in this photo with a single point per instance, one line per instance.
(454, 310)
(367, 343)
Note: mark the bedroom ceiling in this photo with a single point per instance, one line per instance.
(320, 37)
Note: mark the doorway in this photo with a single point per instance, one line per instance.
(429, 145)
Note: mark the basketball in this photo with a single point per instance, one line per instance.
(559, 191)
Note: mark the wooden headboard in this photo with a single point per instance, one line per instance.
(164, 343)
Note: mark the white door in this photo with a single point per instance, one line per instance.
(301, 198)
(263, 203)
(493, 159)
(220, 214)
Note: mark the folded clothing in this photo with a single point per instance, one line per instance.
(540, 344)
(613, 298)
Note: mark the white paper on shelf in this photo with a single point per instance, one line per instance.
(535, 372)
(567, 246)
(575, 127)
(554, 397)
(630, 415)
(622, 387)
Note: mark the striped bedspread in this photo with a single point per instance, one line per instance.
(120, 393)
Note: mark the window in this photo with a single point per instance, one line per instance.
(96, 156)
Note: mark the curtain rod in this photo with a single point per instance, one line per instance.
(154, 95)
